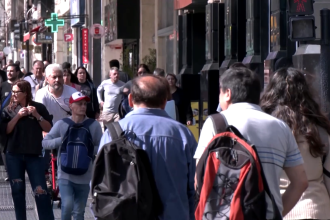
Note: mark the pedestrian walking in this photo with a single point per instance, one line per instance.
(6, 87)
(37, 79)
(74, 186)
(24, 121)
(87, 88)
(289, 98)
(169, 145)
(276, 147)
(110, 89)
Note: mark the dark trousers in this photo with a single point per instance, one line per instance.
(17, 165)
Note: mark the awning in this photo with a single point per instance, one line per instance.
(189, 4)
(35, 29)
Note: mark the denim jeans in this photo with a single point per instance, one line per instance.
(17, 164)
(74, 198)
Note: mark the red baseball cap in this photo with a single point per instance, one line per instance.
(78, 96)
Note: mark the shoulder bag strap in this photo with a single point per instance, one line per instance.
(68, 112)
(115, 130)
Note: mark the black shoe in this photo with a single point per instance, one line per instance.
(7, 179)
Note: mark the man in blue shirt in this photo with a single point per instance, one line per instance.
(169, 144)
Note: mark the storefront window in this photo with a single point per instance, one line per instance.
(67, 46)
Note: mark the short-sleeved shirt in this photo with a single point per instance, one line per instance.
(274, 141)
(58, 107)
(112, 95)
(34, 82)
(26, 137)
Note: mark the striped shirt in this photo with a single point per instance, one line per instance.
(276, 146)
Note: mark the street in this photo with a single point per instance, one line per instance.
(7, 206)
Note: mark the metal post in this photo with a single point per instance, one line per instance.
(324, 59)
(27, 54)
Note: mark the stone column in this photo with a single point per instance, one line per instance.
(58, 46)
(147, 27)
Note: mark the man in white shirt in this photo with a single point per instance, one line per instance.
(112, 96)
(277, 149)
(56, 95)
(37, 79)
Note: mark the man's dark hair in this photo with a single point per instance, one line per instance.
(152, 93)
(17, 63)
(238, 64)
(283, 62)
(114, 63)
(243, 84)
(66, 65)
(16, 67)
(159, 72)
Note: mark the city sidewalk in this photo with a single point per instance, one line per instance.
(7, 207)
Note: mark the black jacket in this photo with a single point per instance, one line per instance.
(26, 137)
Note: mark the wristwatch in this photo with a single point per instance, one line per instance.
(40, 119)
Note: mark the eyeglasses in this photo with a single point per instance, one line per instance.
(15, 92)
(141, 73)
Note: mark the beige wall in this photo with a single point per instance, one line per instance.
(109, 53)
(147, 27)
(61, 7)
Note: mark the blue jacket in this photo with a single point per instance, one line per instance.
(170, 146)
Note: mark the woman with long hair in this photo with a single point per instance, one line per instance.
(69, 79)
(87, 88)
(289, 98)
(24, 120)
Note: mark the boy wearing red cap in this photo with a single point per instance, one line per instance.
(74, 189)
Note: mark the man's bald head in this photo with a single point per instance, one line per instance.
(150, 90)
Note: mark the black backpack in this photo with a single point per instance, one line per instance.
(123, 186)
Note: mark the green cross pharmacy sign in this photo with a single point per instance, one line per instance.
(54, 23)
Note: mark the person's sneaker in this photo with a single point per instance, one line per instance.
(7, 179)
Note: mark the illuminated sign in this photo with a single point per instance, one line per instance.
(300, 7)
(54, 22)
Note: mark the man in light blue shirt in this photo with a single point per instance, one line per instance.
(169, 144)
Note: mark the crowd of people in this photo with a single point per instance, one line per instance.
(284, 123)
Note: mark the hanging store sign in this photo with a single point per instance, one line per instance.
(45, 38)
(85, 57)
(34, 40)
(97, 31)
(68, 37)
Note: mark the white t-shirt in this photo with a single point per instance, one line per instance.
(34, 82)
(112, 95)
(275, 144)
(58, 107)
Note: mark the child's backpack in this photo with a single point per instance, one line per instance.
(230, 179)
(77, 149)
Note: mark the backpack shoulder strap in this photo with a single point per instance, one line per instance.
(115, 130)
(88, 122)
(68, 121)
(219, 122)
